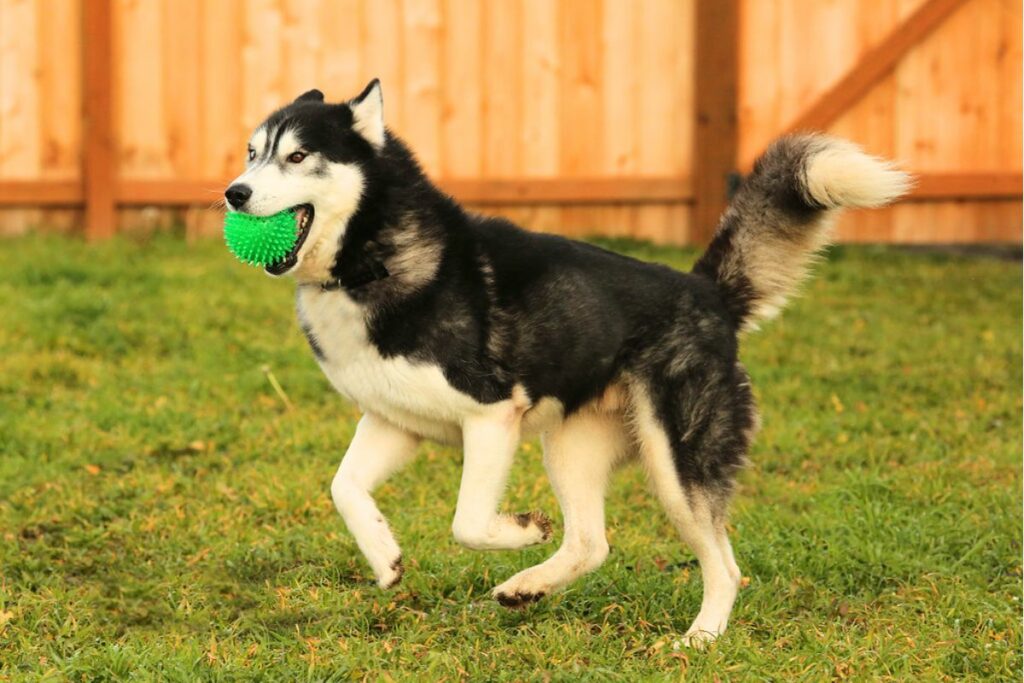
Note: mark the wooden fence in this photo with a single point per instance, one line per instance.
(620, 117)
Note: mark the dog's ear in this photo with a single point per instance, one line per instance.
(313, 95)
(368, 114)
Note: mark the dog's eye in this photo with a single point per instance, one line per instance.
(252, 154)
(296, 157)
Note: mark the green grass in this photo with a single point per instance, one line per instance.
(164, 515)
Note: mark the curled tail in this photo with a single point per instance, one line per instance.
(782, 215)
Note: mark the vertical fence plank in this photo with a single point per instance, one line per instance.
(421, 35)
(343, 72)
(222, 152)
(20, 88)
(141, 105)
(461, 90)
(98, 162)
(715, 135)
(59, 52)
(60, 77)
(383, 57)
(541, 67)
(302, 46)
(262, 52)
(502, 104)
(20, 92)
(621, 88)
(581, 33)
(182, 75)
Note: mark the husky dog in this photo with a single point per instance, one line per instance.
(445, 325)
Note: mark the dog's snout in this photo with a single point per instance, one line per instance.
(237, 195)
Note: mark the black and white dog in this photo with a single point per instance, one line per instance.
(445, 325)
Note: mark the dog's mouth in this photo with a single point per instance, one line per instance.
(303, 222)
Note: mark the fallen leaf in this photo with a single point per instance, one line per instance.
(92, 469)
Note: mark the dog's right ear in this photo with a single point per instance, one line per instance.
(313, 95)
(368, 114)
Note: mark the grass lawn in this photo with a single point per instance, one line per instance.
(164, 513)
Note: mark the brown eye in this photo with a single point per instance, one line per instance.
(252, 154)
(296, 157)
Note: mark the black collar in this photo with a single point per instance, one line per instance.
(373, 271)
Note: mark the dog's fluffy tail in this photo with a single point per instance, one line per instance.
(782, 214)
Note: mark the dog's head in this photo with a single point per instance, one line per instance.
(313, 157)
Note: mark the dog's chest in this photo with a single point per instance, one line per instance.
(411, 394)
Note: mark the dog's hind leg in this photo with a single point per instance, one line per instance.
(378, 450)
(579, 456)
(489, 443)
(698, 513)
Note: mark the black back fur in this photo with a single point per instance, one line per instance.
(503, 306)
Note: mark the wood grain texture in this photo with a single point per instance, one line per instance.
(99, 167)
(41, 193)
(501, 109)
(624, 190)
(462, 89)
(504, 191)
(570, 115)
(876, 63)
(543, 66)
(19, 101)
(420, 34)
(977, 185)
(222, 132)
(716, 136)
(943, 111)
(60, 89)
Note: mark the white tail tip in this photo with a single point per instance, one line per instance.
(840, 174)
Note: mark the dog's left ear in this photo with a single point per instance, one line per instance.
(310, 96)
(368, 114)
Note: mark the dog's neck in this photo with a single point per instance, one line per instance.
(375, 271)
(398, 260)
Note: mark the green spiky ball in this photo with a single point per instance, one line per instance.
(260, 240)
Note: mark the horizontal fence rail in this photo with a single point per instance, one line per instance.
(67, 193)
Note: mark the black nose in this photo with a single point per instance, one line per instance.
(237, 195)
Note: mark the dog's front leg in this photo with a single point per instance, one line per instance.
(378, 450)
(489, 444)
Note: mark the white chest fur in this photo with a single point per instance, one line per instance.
(410, 394)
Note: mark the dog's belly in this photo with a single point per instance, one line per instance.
(413, 395)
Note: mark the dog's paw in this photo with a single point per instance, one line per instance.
(392, 575)
(537, 522)
(515, 600)
(696, 638)
(522, 589)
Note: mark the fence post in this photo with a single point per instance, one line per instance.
(98, 149)
(716, 135)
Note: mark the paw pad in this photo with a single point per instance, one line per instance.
(517, 600)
